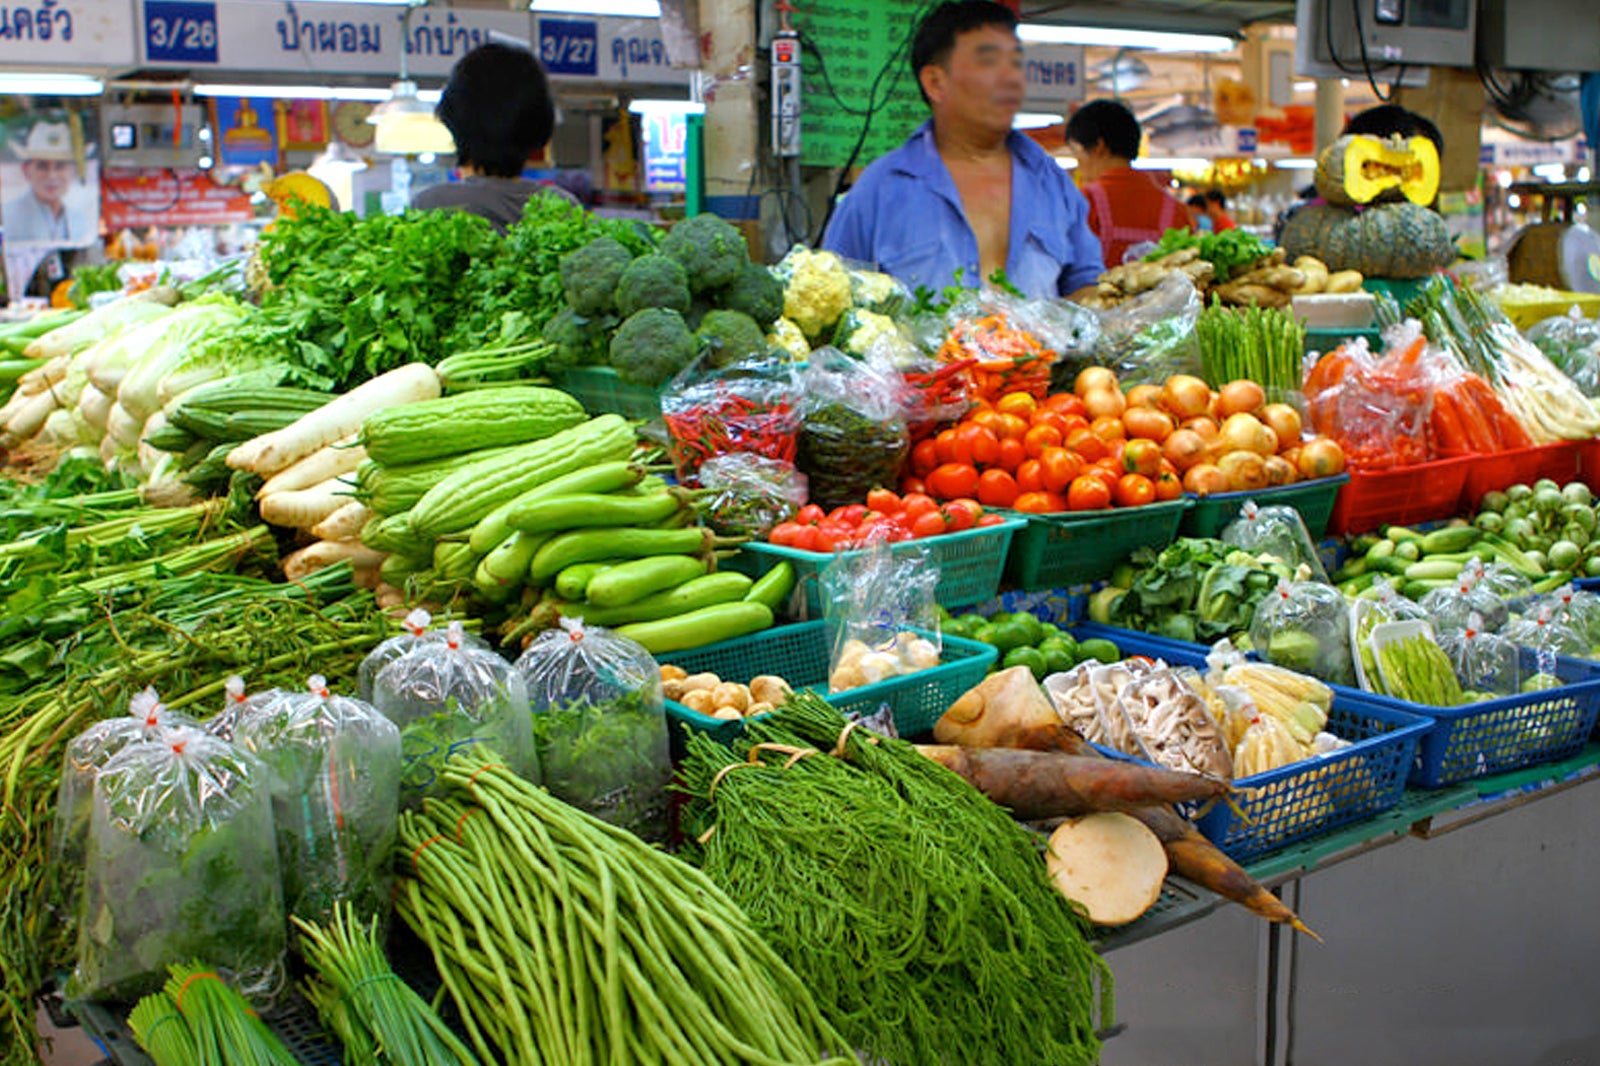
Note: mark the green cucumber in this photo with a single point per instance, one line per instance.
(1433, 570)
(774, 586)
(454, 561)
(590, 509)
(707, 591)
(572, 582)
(505, 569)
(629, 582)
(1450, 539)
(1353, 568)
(1409, 550)
(1401, 533)
(592, 545)
(602, 477)
(708, 625)
(1380, 550)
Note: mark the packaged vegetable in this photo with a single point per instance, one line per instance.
(853, 435)
(181, 865)
(1579, 610)
(1486, 664)
(1547, 637)
(1366, 615)
(1299, 702)
(1277, 533)
(235, 701)
(600, 726)
(1174, 725)
(416, 631)
(1147, 338)
(749, 406)
(1304, 626)
(748, 494)
(1452, 607)
(446, 695)
(1011, 344)
(881, 616)
(335, 765)
(1503, 581)
(1572, 343)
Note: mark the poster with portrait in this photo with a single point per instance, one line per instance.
(49, 195)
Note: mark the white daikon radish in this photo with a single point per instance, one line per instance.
(341, 417)
(343, 524)
(124, 427)
(43, 376)
(335, 460)
(1110, 864)
(96, 406)
(28, 419)
(304, 508)
(326, 553)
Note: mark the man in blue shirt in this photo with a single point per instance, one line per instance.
(966, 192)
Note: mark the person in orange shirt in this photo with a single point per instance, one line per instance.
(1126, 206)
(1217, 211)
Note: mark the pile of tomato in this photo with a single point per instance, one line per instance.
(1043, 456)
(885, 515)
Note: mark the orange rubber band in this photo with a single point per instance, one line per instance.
(418, 853)
(177, 1000)
(462, 821)
(473, 780)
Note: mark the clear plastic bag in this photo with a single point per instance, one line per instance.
(1373, 406)
(749, 406)
(1147, 338)
(1572, 343)
(600, 725)
(749, 494)
(1546, 637)
(1072, 693)
(1452, 607)
(1278, 532)
(1579, 610)
(236, 701)
(446, 695)
(1502, 580)
(1304, 626)
(416, 629)
(1387, 606)
(880, 615)
(1011, 344)
(181, 865)
(336, 766)
(1486, 664)
(853, 434)
(88, 753)
(1175, 725)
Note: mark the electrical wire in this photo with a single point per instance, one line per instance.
(1361, 42)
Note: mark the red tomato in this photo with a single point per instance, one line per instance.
(810, 514)
(1039, 503)
(1108, 428)
(1066, 403)
(1134, 490)
(884, 501)
(1142, 457)
(1054, 419)
(806, 539)
(1030, 475)
(1088, 493)
(944, 447)
(1012, 454)
(961, 514)
(924, 457)
(917, 504)
(953, 480)
(930, 524)
(996, 488)
(988, 418)
(850, 514)
(911, 486)
(1057, 468)
(784, 534)
(981, 446)
(1087, 445)
(1168, 485)
(1039, 438)
(1012, 427)
(996, 519)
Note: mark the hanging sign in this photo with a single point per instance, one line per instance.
(666, 137)
(71, 33)
(140, 197)
(1054, 76)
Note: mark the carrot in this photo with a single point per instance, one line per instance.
(1035, 785)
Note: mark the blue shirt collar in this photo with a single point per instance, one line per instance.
(919, 157)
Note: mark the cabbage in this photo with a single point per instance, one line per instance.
(139, 392)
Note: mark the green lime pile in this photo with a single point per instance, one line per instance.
(1023, 640)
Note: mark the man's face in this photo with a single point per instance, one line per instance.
(49, 178)
(981, 85)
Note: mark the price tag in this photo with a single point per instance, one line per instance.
(180, 31)
(570, 46)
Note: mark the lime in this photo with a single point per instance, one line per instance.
(1099, 650)
(1032, 658)
(1058, 655)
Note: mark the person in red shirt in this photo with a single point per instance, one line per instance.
(1217, 211)
(1126, 206)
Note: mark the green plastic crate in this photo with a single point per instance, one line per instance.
(1326, 340)
(603, 392)
(1314, 500)
(970, 563)
(799, 655)
(1078, 548)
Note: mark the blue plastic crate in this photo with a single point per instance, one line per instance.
(799, 655)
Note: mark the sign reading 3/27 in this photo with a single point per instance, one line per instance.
(180, 31)
(570, 46)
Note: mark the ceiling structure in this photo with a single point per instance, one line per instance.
(1178, 16)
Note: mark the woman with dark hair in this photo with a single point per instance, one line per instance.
(1127, 209)
(497, 106)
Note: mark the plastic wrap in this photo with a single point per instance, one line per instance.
(1011, 344)
(181, 865)
(1486, 664)
(1278, 532)
(1572, 343)
(1304, 626)
(1147, 338)
(1377, 408)
(87, 754)
(600, 725)
(853, 435)
(1502, 580)
(1174, 724)
(416, 631)
(746, 495)
(1387, 605)
(1578, 610)
(750, 406)
(881, 615)
(1452, 607)
(335, 765)
(235, 702)
(446, 695)
(1547, 638)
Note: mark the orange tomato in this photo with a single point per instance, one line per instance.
(1012, 454)
(1012, 427)
(1016, 403)
(1108, 428)
(996, 488)
(924, 457)
(931, 524)
(911, 485)
(944, 446)
(1040, 503)
(1168, 486)
(1054, 419)
(1134, 490)
(981, 446)
(1074, 422)
(1086, 444)
(962, 514)
(1088, 493)
(953, 480)
(916, 504)
(1030, 475)
(1057, 468)
(1142, 457)
(1066, 403)
(988, 418)
(1039, 438)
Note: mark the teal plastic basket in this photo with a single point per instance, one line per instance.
(1314, 500)
(1077, 548)
(603, 392)
(799, 655)
(970, 563)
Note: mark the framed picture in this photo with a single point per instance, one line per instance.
(303, 124)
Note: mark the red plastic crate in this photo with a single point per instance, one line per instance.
(1589, 462)
(1522, 466)
(1407, 495)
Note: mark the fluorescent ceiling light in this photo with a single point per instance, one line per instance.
(1551, 171)
(1066, 162)
(1295, 163)
(668, 107)
(638, 9)
(1040, 33)
(50, 85)
(1171, 163)
(309, 92)
(1034, 120)
(1306, 86)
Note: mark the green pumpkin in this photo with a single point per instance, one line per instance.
(1397, 240)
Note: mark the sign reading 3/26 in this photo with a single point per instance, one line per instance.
(182, 31)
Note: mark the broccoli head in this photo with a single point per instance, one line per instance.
(730, 336)
(579, 341)
(653, 281)
(651, 346)
(755, 292)
(711, 251)
(589, 275)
